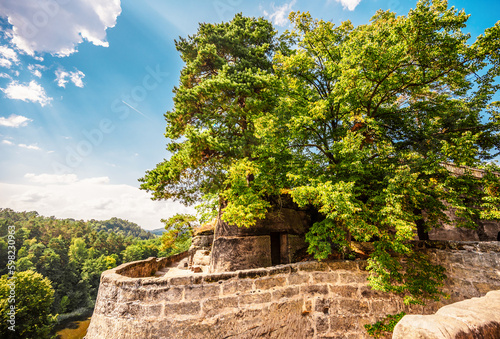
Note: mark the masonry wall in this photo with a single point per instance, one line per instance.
(301, 300)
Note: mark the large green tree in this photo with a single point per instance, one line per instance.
(225, 88)
(367, 121)
(372, 114)
(25, 303)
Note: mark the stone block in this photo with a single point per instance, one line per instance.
(325, 277)
(344, 291)
(368, 292)
(322, 323)
(232, 254)
(130, 294)
(388, 306)
(217, 277)
(348, 265)
(313, 266)
(198, 292)
(353, 277)
(343, 324)
(281, 269)
(237, 286)
(186, 280)
(314, 289)
(212, 307)
(298, 279)
(108, 292)
(353, 306)
(182, 308)
(455, 257)
(254, 298)
(149, 311)
(168, 294)
(253, 274)
(491, 260)
(197, 279)
(270, 282)
(322, 305)
(287, 292)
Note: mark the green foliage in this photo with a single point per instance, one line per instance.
(208, 208)
(179, 230)
(384, 326)
(73, 254)
(122, 227)
(33, 299)
(407, 273)
(359, 123)
(225, 87)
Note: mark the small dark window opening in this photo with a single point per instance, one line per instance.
(498, 236)
(275, 248)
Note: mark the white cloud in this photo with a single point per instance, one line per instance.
(279, 16)
(14, 121)
(57, 27)
(349, 4)
(33, 92)
(35, 70)
(48, 179)
(92, 198)
(61, 78)
(7, 57)
(9, 53)
(32, 147)
(5, 63)
(75, 77)
(5, 76)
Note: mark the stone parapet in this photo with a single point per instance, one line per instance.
(300, 300)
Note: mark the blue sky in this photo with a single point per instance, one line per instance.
(84, 86)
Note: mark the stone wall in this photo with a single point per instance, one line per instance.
(148, 267)
(301, 300)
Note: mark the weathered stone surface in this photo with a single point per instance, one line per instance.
(237, 286)
(183, 308)
(287, 292)
(270, 282)
(252, 252)
(473, 318)
(287, 220)
(202, 241)
(345, 291)
(298, 279)
(255, 298)
(198, 292)
(325, 277)
(216, 306)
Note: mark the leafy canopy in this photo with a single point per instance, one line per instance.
(361, 123)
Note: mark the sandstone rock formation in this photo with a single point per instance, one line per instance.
(468, 319)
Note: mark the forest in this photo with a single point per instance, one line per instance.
(62, 260)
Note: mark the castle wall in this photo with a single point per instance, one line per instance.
(301, 300)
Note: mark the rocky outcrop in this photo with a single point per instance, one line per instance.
(301, 300)
(473, 318)
(273, 240)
